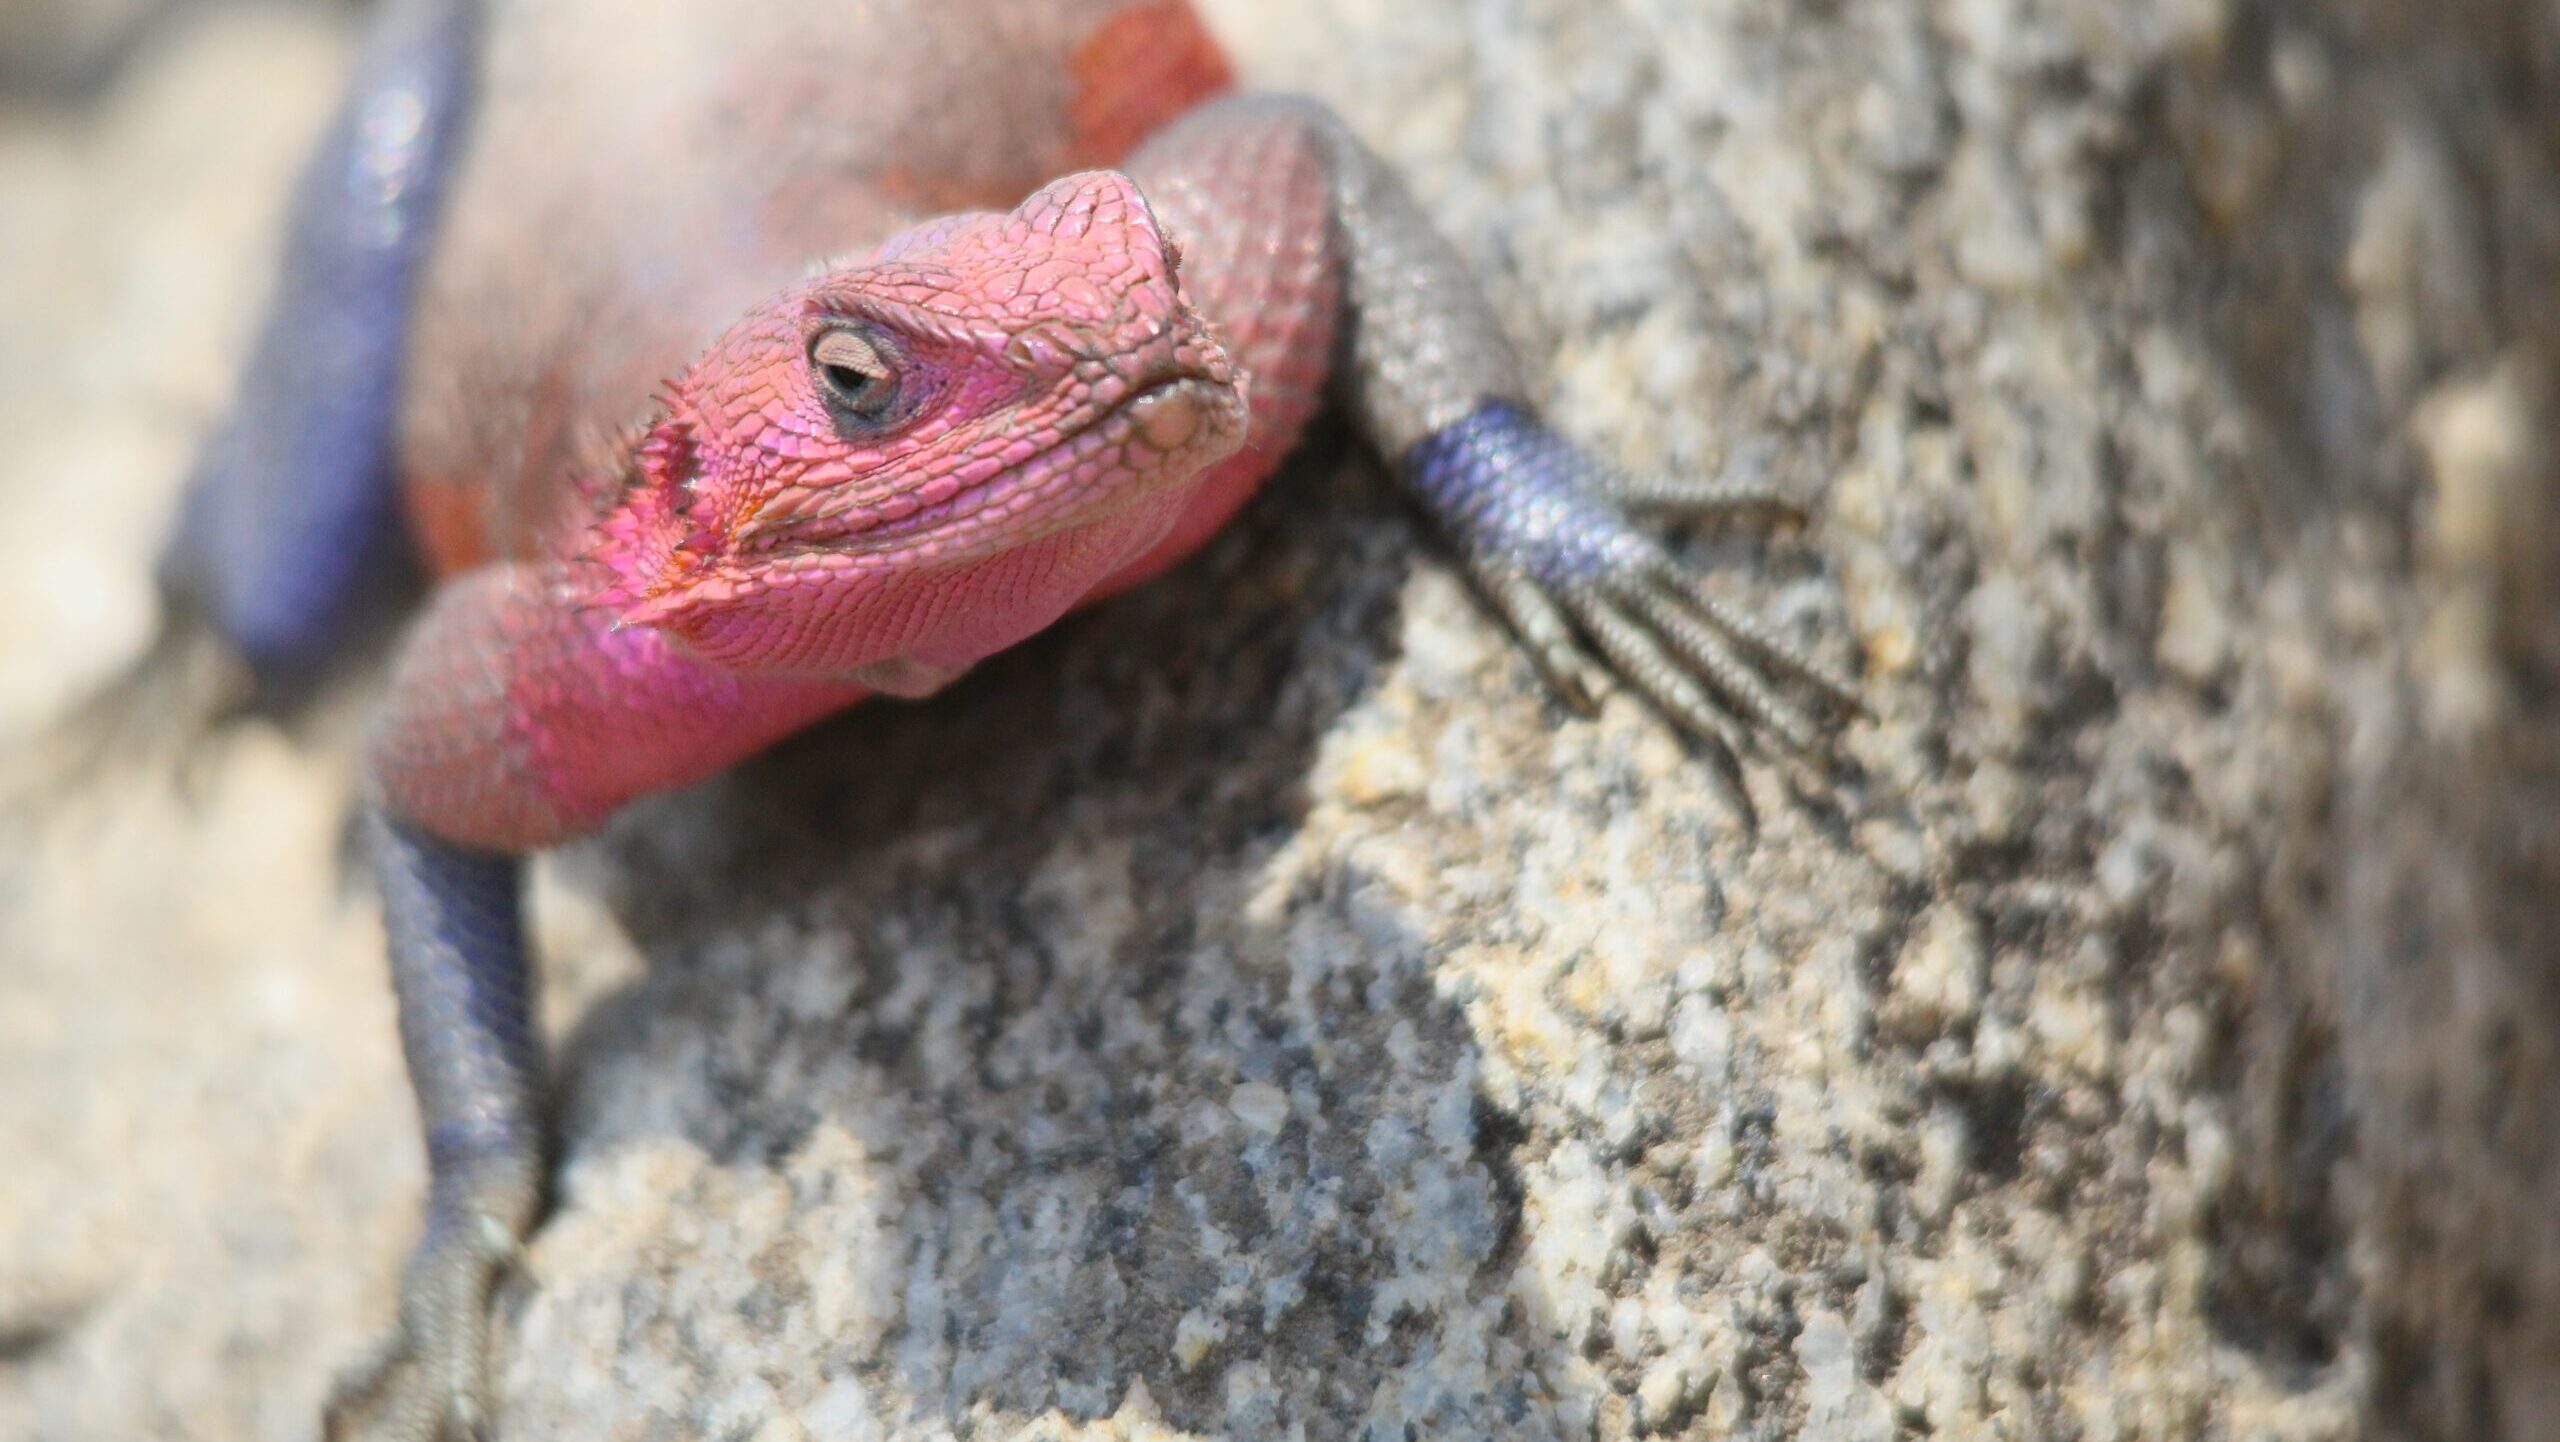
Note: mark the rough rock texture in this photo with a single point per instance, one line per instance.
(1255, 1011)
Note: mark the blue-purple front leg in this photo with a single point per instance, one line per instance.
(456, 931)
(1544, 528)
(291, 503)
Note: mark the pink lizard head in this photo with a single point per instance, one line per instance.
(911, 461)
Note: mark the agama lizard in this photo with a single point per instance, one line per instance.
(661, 554)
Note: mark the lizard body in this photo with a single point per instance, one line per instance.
(729, 404)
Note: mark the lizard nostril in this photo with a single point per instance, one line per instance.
(1169, 415)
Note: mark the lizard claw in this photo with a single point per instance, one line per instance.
(1545, 532)
(429, 1380)
(1547, 630)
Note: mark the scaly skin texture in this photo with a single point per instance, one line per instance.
(663, 554)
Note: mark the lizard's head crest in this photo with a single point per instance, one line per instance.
(1018, 401)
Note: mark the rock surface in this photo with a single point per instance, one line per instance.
(1255, 1011)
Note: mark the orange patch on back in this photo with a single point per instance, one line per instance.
(918, 194)
(449, 523)
(1150, 62)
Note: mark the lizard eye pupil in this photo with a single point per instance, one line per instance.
(850, 385)
(853, 373)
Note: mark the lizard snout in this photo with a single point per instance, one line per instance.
(1183, 389)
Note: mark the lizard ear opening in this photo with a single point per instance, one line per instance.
(653, 537)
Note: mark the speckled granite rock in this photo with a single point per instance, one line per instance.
(1254, 1011)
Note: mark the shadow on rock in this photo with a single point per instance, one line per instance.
(1005, 1054)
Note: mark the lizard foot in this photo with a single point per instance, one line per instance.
(429, 1380)
(1546, 533)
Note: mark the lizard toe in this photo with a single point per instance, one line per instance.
(429, 1380)
(1547, 532)
(1687, 498)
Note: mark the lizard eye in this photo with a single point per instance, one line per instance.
(854, 373)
